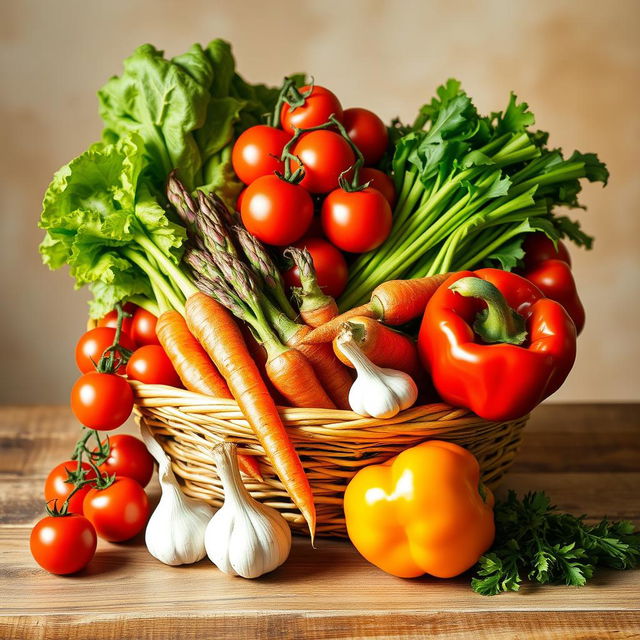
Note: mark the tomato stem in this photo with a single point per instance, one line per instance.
(116, 355)
(287, 84)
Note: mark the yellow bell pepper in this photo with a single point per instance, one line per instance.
(423, 511)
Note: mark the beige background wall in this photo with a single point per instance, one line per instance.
(576, 63)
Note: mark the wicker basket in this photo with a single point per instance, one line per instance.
(332, 445)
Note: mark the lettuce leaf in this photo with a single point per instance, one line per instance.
(94, 207)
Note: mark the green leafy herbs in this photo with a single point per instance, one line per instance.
(469, 189)
(105, 212)
(536, 542)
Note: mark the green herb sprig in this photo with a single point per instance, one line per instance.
(536, 542)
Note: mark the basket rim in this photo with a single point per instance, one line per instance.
(144, 394)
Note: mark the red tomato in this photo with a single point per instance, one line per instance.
(128, 456)
(63, 544)
(368, 133)
(275, 211)
(330, 265)
(111, 319)
(56, 487)
(356, 221)
(101, 401)
(257, 152)
(118, 512)
(92, 345)
(143, 328)
(317, 108)
(151, 365)
(538, 247)
(380, 181)
(324, 155)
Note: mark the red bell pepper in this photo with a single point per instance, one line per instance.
(549, 268)
(494, 344)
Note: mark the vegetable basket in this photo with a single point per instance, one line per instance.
(333, 445)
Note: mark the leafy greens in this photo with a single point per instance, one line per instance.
(534, 541)
(105, 213)
(469, 189)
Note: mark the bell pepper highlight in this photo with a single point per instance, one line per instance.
(424, 511)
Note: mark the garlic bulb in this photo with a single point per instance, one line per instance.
(175, 531)
(376, 392)
(244, 537)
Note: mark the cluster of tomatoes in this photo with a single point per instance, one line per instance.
(100, 493)
(311, 181)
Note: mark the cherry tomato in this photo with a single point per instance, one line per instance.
(151, 365)
(101, 401)
(324, 155)
(368, 133)
(56, 487)
(538, 247)
(118, 512)
(143, 328)
(275, 211)
(111, 319)
(63, 544)
(330, 265)
(92, 345)
(257, 152)
(128, 457)
(318, 106)
(356, 221)
(380, 181)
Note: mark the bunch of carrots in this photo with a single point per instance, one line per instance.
(276, 353)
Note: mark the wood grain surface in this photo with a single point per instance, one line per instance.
(586, 457)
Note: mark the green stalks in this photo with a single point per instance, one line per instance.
(459, 175)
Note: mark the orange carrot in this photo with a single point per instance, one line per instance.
(394, 303)
(189, 359)
(293, 376)
(333, 376)
(316, 307)
(383, 346)
(196, 371)
(250, 467)
(216, 331)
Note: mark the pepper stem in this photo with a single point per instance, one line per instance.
(498, 322)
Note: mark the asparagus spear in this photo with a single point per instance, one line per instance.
(264, 266)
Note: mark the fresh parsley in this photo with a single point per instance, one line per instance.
(536, 542)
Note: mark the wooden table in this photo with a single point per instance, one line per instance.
(586, 456)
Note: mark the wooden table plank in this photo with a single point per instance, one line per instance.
(330, 592)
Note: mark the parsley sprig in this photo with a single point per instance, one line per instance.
(534, 541)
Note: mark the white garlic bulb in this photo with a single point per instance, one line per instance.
(376, 392)
(244, 538)
(175, 531)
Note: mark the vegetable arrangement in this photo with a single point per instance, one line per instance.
(216, 223)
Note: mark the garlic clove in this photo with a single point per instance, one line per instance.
(245, 537)
(176, 529)
(376, 392)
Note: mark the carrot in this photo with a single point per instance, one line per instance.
(383, 346)
(394, 302)
(316, 307)
(334, 377)
(294, 377)
(216, 331)
(250, 467)
(196, 371)
(189, 359)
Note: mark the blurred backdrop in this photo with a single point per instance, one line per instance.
(577, 63)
